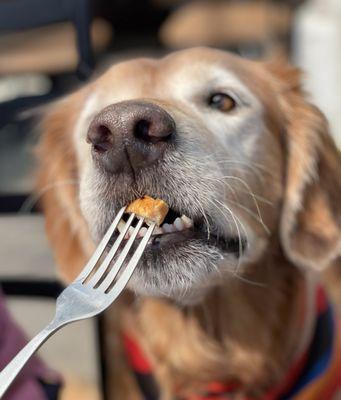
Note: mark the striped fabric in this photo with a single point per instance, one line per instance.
(316, 375)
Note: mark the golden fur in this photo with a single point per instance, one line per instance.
(241, 332)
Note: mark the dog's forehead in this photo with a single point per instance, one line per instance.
(186, 70)
(198, 70)
(201, 60)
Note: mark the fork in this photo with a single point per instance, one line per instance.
(90, 293)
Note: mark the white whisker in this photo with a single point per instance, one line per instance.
(234, 218)
(255, 216)
(253, 197)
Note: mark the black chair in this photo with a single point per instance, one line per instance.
(20, 15)
(24, 14)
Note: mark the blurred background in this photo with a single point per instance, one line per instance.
(50, 47)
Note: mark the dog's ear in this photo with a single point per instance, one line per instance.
(310, 225)
(57, 186)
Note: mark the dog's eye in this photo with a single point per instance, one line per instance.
(222, 102)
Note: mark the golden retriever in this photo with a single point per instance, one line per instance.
(239, 154)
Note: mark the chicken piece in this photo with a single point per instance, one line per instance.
(153, 210)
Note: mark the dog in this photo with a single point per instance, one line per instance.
(229, 306)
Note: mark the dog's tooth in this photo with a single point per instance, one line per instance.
(179, 225)
(167, 228)
(157, 231)
(187, 221)
(172, 228)
(121, 225)
(142, 232)
(130, 231)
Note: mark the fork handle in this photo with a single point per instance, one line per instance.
(9, 373)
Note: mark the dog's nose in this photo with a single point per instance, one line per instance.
(130, 135)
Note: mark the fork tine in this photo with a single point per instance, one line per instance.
(118, 263)
(96, 278)
(100, 248)
(128, 271)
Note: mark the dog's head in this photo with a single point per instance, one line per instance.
(231, 145)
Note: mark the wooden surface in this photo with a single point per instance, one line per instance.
(224, 23)
(50, 49)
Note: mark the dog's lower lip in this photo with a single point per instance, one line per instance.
(171, 238)
(231, 245)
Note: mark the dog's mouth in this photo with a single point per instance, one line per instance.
(178, 228)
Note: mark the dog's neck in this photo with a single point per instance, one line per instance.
(244, 333)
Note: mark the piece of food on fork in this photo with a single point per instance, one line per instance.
(153, 210)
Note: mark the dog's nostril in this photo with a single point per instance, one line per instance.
(142, 130)
(154, 130)
(101, 147)
(100, 137)
(104, 132)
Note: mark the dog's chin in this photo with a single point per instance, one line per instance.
(182, 271)
(183, 266)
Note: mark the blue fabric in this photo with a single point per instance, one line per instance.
(319, 353)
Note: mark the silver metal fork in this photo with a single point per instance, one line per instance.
(90, 293)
